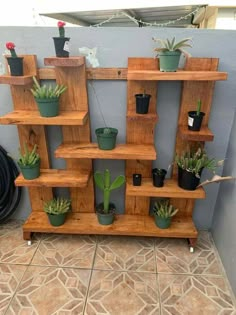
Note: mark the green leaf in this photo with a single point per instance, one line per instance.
(118, 182)
(98, 177)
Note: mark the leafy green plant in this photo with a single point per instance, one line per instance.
(172, 45)
(103, 181)
(45, 91)
(28, 157)
(57, 205)
(195, 161)
(164, 209)
(199, 105)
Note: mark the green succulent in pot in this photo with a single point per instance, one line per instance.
(57, 209)
(163, 212)
(29, 162)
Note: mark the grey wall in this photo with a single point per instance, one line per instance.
(115, 45)
(223, 228)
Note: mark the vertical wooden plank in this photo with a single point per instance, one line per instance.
(138, 131)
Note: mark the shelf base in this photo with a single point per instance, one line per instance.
(132, 225)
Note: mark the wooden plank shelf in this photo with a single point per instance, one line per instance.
(23, 117)
(87, 223)
(150, 75)
(64, 62)
(204, 134)
(149, 117)
(55, 178)
(120, 152)
(170, 189)
(16, 80)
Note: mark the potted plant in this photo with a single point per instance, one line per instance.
(158, 176)
(169, 53)
(190, 167)
(106, 210)
(195, 118)
(47, 98)
(163, 213)
(29, 162)
(106, 138)
(137, 179)
(15, 63)
(61, 43)
(56, 210)
(142, 103)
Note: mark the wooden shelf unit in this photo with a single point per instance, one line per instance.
(204, 134)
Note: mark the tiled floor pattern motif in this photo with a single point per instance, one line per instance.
(105, 275)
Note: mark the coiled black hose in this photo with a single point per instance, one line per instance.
(9, 194)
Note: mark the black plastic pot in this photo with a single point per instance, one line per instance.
(61, 46)
(195, 121)
(16, 65)
(137, 179)
(142, 103)
(158, 177)
(187, 180)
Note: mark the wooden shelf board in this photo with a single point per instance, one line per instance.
(170, 189)
(134, 225)
(23, 117)
(64, 62)
(182, 75)
(120, 152)
(16, 80)
(149, 117)
(204, 134)
(55, 178)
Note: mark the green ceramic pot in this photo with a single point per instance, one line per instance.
(105, 218)
(106, 141)
(57, 219)
(169, 60)
(29, 171)
(48, 107)
(162, 223)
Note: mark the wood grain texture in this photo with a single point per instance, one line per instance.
(170, 189)
(120, 152)
(142, 118)
(16, 80)
(87, 223)
(65, 62)
(55, 178)
(204, 134)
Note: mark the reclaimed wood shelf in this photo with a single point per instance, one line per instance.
(179, 75)
(16, 80)
(87, 223)
(64, 62)
(120, 152)
(149, 117)
(55, 178)
(204, 134)
(170, 189)
(26, 117)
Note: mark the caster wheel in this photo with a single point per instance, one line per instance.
(29, 243)
(191, 249)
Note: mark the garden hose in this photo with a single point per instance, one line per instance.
(9, 194)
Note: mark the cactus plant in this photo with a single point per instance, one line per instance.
(47, 92)
(57, 206)
(103, 182)
(199, 105)
(28, 158)
(164, 209)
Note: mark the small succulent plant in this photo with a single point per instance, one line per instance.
(61, 28)
(164, 209)
(199, 105)
(57, 205)
(11, 47)
(172, 45)
(44, 92)
(29, 157)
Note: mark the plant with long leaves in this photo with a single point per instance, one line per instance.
(28, 157)
(172, 45)
(103, 182)
(57, 205)
(164, 209)
(47, 92)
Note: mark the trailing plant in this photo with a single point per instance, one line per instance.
(11, 46)
(103, 181)
(57, 205)
(164, 209)
(199, 105)
(28, 157)
(195, 161)
(44, 92)
(172, 45)
(61, 28)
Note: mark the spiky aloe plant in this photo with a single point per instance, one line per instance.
(172, 45)
(57, 205)
(103, 181)
(45, 91)
(164, 209)
(28, 157)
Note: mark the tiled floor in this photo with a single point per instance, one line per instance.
(95, 275)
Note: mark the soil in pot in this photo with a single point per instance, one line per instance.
(57, 219)
(48, 107)
(105, 218)
(162, 223)
(169, 60)
(142, 103)
(137, 179)
(106, 138)
(16, 65)
(187, 180)
(29, 171)
(158, 177)
(194, 120)
(61, 46)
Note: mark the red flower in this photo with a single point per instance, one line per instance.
(10, 45)
(61, 24)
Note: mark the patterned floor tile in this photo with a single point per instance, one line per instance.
(198, 295)
(173, 256)
(66, 251)
(116, 293)
(49, 290)
(10, 276)
(13, 249)
(125, 253)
